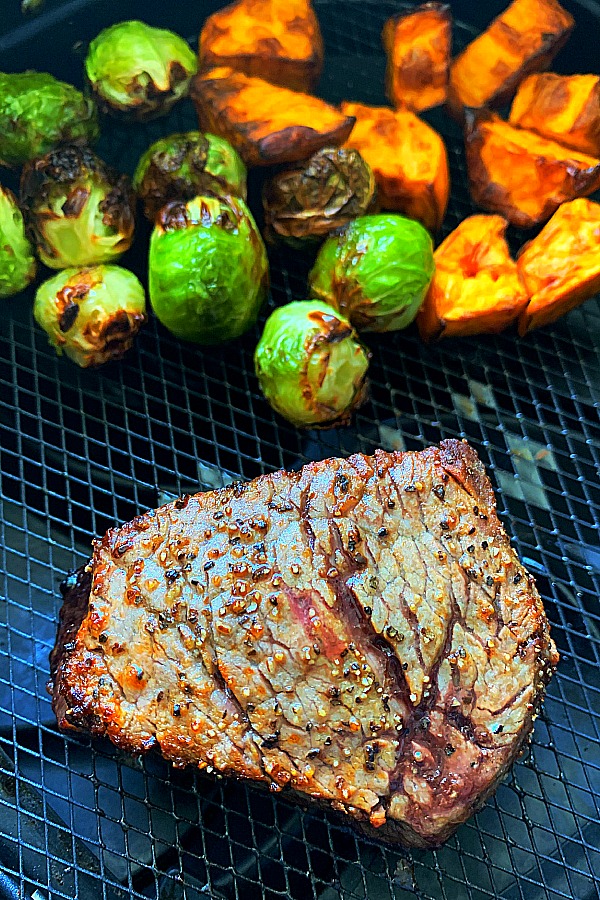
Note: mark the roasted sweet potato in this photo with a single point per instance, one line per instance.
(418, 45)
(278, 40)
(521, 175)
(476, 288)
(561, 266)
(565, 108)
(408, 159)
(266, 123)
(523, 39)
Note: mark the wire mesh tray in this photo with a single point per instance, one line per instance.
(81, 451)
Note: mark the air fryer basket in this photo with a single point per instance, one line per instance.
(81, 451)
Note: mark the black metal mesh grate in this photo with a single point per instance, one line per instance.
(81, 451)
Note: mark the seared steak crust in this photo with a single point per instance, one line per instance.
(360, 630)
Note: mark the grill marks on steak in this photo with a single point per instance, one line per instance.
(360, 630)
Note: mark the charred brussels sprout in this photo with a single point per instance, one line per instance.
(208, 270)
(307, 201)
(17, 262)
(310, 365)
(78, 210)
(181, 166)
(138, 70)
(38, 112)
(376, 271)
(91, 314)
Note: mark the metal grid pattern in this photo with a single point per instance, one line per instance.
(81, 451)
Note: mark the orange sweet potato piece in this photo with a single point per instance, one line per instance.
(278, 40)
(521, 175)
(417, 43)
(523, 39)
(561, 266)
(476, 287)
(266, 123)
(565, 108)
(408, 159)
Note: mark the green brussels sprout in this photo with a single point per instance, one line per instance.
(306, 201)
(376, 271)
(181, 166)
(310, 365)
(78, 210)
(208, 271)
(17, 262)
(38, 112)
(92, 314)
(139, 71)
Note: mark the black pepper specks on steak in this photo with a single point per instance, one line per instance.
(360, 631)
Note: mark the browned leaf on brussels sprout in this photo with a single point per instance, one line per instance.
(78, 210)
(309, 200)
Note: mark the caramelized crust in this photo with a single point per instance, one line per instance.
(408, 159)
(521, 175)
(266, 123)
(564, 108)
(561, 266)
(476, 288)
(417, 44)
(360, 631)
(523, 39)
(278, 40)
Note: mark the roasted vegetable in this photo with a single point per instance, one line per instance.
(139, 71)
(91, 314)
(561, 266)
(278, 40)
(181, 166)
(376, 271)
(310, 365)
(417, 43)
(523, 39)
(476, 288)
(308, 201)
(208, 272)
(564, 108)
(408, 159)
(17, 262)
(38, 112)
(266, 123)
(78, 210)
(520, 175)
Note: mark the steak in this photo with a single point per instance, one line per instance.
(359, 631)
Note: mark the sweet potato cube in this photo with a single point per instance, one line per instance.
(266, 123)
(523, 39)
(408, 159)
(521, 175)
(565, 108)
(476, 287)
(278, 40)
(417, 44)
(561, 266)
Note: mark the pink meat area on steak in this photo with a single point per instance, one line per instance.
(360, 631)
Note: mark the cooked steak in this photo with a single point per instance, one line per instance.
(360, 631)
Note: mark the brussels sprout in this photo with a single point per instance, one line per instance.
(181, 166)
(138, 70)
(308, 200)
(17, 262)
(376, 271)
(78, 210)
(92, 314)
(310, 365)
(37, 112)
(208, 270)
